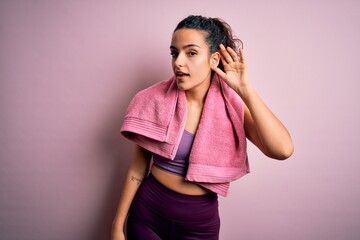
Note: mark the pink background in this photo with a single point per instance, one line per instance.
(69, 68)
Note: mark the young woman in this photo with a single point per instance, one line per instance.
(192, 128)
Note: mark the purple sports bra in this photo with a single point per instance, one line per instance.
(180, 163)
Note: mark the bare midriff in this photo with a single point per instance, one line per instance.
(177, 183)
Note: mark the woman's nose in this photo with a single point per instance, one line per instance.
(179, 60)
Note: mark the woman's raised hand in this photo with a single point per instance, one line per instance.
(235, 71)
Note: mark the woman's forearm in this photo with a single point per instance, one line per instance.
(131, 185)
(273, 135)
(137, 171)
(262, 127)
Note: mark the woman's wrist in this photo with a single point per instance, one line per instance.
(246, 92)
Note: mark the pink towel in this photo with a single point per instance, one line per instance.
(155, 120)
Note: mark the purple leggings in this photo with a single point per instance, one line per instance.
(159, 213)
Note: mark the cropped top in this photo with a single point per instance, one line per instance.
(180, 163)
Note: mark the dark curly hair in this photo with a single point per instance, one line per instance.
(217, 32)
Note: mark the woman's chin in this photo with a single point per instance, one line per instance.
(181, 86)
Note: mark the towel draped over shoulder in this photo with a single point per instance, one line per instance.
(155, 120)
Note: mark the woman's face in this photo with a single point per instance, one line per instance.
(191, 59)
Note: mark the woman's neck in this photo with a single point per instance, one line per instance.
(197, 94)
(195, 97)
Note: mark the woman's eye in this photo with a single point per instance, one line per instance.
(173, 54)
(192, 53)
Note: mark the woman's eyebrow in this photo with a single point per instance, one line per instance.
(186, 46)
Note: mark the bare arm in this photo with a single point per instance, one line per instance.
(262, 127)
(265, 130)
(137, 171)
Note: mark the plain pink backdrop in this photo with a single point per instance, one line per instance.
(69, 68)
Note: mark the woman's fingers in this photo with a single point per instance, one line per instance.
(223, 60)
(242, 56)
(228, 54)
(221, 74)
(233, 54)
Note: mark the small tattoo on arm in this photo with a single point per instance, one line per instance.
(134, 179)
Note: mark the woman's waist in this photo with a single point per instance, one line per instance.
(177, 183)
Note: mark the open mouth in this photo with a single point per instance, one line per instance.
(181, 74)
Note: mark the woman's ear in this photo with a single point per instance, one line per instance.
(214, 60)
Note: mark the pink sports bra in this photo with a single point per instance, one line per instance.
(180, 163)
